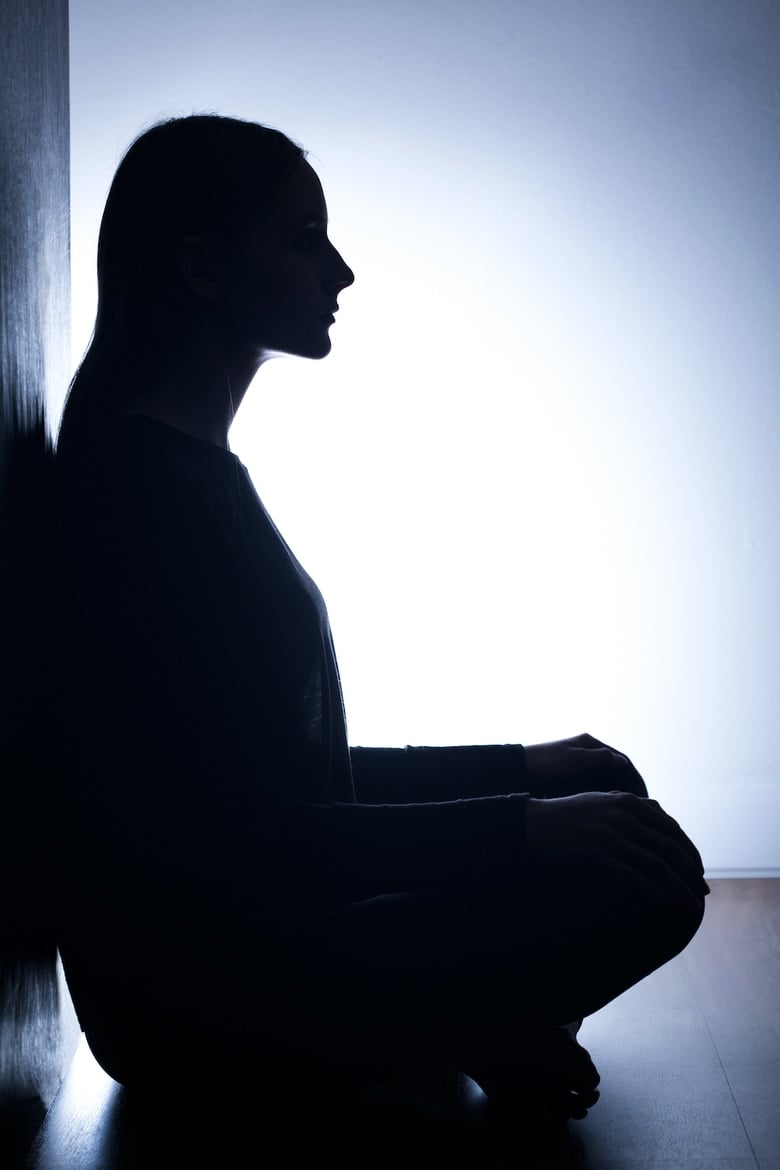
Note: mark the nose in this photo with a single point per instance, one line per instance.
(343, 274)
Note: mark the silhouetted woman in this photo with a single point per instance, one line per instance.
(246, 900)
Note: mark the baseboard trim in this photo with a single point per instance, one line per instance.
(742, 873)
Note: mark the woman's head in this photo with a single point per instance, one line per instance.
(199, 176)
(275, 289)
(188, 199)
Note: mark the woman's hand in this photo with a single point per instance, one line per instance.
(579, 764)
(613, 838)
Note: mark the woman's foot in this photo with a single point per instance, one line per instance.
(554, 1081)
(568, 1075)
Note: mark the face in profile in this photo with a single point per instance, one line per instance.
(278, 289)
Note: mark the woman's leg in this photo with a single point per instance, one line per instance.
(470, 972)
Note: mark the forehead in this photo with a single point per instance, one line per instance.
(300, 197)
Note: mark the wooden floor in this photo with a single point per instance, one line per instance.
(689, 1060)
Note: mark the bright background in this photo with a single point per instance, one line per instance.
(536, 478)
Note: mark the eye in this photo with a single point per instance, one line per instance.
(310, 239)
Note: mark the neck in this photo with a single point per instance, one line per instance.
(198, 393)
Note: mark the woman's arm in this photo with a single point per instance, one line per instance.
(357, 851)
(559, 768)
(422, 774)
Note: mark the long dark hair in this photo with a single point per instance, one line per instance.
(199, 175)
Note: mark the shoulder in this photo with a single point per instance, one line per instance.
(139, 465)
(151, 494)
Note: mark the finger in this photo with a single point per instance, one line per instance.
(617, 760)
(617, 752)
(585, 740)
(650, 829)
(646, 877)
(602, 758)
(663, 861)
(652, 811)
(614, 773)
(664, 838)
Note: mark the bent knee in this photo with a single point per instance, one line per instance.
(690, 916)
(671, 925)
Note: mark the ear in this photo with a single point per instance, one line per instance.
(198, 268)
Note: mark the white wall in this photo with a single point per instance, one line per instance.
(536, 477)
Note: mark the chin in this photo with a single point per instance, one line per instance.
(316, 350)
(312, 350)
(309, 342)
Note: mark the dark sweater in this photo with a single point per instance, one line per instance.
(210, 774)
